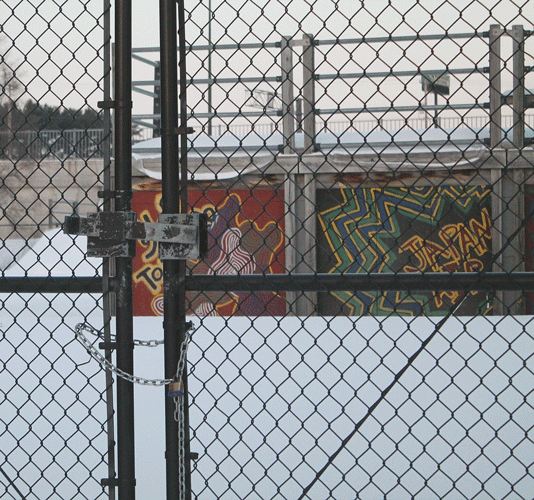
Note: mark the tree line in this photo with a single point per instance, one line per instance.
(31, 115)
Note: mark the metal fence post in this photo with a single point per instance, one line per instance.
(123, 203)
(170, 205)
(508, 206)
(107, 263)
(174, 200)
(290, 187)
(157, 100)
(308, 93)
(288, 118)
(518, 100)
(495, 35)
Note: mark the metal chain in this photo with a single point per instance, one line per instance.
(179, 402)
(180, 371)
(113, 338)
(106, 364)
(179, 414)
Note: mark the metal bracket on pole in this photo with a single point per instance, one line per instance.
(111, 234)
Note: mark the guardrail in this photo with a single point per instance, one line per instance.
(62, 144)
(54, 144)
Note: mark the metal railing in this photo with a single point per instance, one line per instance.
(474, 123)
(362, 315)
(57, 144)
(52, 144)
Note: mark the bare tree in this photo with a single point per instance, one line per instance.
(11, 88)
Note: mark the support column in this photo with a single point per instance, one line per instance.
(300, 234)
(123, 203)
(174, 201)
(495, 36)
(518, 85)
(288, 97)
(308, 93)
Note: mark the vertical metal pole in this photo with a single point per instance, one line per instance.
(123, 203)
(518, 44)
(290, 184)
(106, 301)
(182, 299)
(288, 118)
(308, 93)
(290, 230)
(210, 74)
(157, 100)
(435, 110)
(170, 205)
(173, 201)
(495, 35)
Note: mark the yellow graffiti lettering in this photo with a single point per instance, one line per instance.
(453, 296)
(151, 251)
(152, 276)
(414, 245)
(458, 249)
(482, 230)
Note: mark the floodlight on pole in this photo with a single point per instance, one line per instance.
(264, 99)
(436, 82)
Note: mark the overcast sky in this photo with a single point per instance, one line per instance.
(56, 51)
(72, 33)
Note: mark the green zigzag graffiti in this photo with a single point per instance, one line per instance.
(361, 229)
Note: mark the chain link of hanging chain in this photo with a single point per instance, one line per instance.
(179, 412)
(106, 364)
(113, 337)
(179, 415)
(178, 400)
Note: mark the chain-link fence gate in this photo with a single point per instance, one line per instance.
(54, 158)
(362, 310)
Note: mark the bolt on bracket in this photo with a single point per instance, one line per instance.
(113, 234)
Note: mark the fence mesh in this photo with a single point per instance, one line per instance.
(53, 432)
(366, 170)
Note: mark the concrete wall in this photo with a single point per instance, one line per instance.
(34, 196)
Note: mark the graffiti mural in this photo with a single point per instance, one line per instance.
(411, 230)
(245, 236)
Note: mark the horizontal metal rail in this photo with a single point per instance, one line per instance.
(216, 46)
(215, 79)
(360, 282)
(219, 114)
(399, 74)
(400, 109)
(320, 282)
(405, 38)
(51, 284)
(334, 41)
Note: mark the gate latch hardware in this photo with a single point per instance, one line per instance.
(113, 234)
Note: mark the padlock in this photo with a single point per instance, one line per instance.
(176, 388)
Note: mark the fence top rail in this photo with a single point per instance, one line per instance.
(215, 79)
(215, 46)
(405, 38)
(333, 41)
(406, 73)
(323, 76)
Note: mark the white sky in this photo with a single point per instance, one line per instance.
(53, 45)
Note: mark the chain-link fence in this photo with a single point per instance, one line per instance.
(54, 414)
(362, 314)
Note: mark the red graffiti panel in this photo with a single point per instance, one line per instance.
(245, 236)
